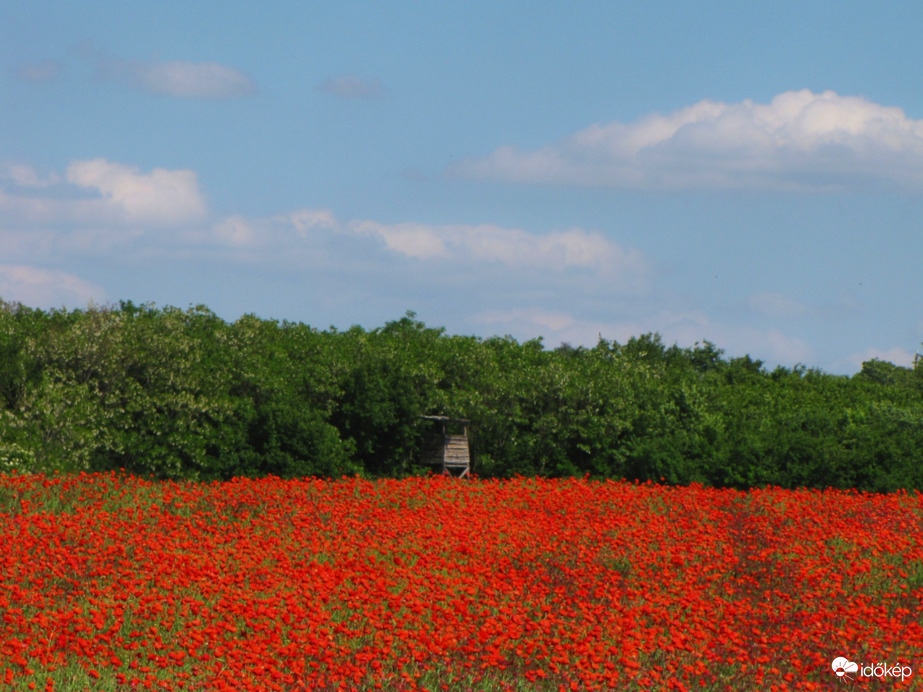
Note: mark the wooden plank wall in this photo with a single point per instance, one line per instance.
(456, 451)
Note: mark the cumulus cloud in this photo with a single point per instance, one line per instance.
(159, 197)
(46, 287)
(467, 245)
(352, 87)
(410, 239)
(98, 191)
(281, 229)
(799, 141)
(306, 221)
(24, 175)
(236, 231)
(558, 250)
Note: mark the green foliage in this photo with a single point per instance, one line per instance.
(281, 381)
(183, 394)
(388, 388)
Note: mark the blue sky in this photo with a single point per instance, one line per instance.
(745, 173)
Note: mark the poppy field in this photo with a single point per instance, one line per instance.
(115, 582)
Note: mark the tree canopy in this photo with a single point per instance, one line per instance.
(184, 394)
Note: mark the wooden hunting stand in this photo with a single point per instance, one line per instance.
(447, 447)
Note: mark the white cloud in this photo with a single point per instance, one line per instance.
(352, 87)
(410, 239)
(800, 140)
(896, 355)
(21, 209)
(305, 220)
(683, 328)
(101, 193)
(282, 231)
(687, 328)
(44, 71)
(208, 80)
(24, 175)
(180, 79)
(461, 245)
(176, 78)
(776, 305)
(236, 231)
(556, 251)
(39, 287)
(773, 345)
(158, 197)
(540, 321)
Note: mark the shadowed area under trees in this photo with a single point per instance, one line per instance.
(184, 394)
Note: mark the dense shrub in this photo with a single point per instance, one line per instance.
(184, 394)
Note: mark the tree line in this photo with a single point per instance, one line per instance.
(183, 394)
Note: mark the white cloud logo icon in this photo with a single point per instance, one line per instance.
(842, 666)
